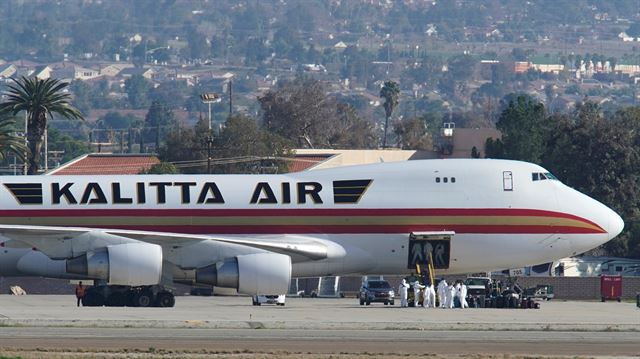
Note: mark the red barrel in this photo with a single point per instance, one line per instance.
(611, 287)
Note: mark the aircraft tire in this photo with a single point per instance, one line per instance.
(143, 299)
(165, 300)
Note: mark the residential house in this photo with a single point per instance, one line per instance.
(627, 68)
(547, 64)
(625, 37)
(147, 72)
(114, 70)
(521, 67)
(7, 70)
(42, 72)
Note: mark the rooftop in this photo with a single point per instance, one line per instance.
(107, 164)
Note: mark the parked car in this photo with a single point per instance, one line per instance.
(376, 291)
(268, 299)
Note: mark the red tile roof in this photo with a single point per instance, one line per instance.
(303, 162)
(107, 164)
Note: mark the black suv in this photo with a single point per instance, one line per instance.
(376, 291)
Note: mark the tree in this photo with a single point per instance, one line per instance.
(187, 145)
(390, 92)
(9, 142)
(300, 111)
(597, 155)
(412, 134)
(161, 169)
(242, 138)
(350, 130)
(39, 99)
(158, 119)
(523, 125)
(137, 88)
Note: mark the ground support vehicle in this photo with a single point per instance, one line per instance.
(120, 296)
(260, 299)
(541, 291)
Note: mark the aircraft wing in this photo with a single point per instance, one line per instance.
(68, 242)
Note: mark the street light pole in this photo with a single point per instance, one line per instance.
(209, 141)
(209, 98)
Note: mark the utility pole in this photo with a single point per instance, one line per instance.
(209, 141)
(230, 97)
(26, 141)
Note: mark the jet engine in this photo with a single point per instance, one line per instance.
(132, 264)
(258, 273)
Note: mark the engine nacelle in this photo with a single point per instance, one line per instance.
(131, 264)
(259, 273)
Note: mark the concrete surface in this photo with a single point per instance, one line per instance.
(321, 326)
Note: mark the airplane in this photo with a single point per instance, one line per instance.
(136, 235)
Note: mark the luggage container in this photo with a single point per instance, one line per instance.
(611, 287)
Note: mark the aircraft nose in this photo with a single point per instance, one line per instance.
(616, 224)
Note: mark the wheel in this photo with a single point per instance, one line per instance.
(386, 303)
(368, 303)
(116, 299)
(165, 300)
(619, 299)
(602, 299)
(143, 299)
(361, 302)
(392, 302)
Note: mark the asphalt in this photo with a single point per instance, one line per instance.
(308, 325)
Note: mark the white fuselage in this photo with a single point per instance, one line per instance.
(501, 217)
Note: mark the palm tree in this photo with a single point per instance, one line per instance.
(390, 92)
(39, 99)
(9, 142)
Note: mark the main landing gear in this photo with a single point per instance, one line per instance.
(120, 296)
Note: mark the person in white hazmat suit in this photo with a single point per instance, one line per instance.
(417, 288)
(451, 292)
(463, 296)
(430, 296)
(442, 293)
(404, 287)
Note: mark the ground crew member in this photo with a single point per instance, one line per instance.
(404, 287)
(442, 293)
(463, 296)
(79, 292)
(430, 296)
(417, 288)
(450, 293)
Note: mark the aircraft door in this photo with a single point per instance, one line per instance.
(434, 245)
(507, 181)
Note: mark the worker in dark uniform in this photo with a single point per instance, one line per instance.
(79, 292)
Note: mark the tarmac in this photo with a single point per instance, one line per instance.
(318, 326)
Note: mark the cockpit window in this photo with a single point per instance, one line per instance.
(541, 176)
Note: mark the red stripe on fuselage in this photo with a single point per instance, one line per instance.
(364, 229)
(312, 212)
